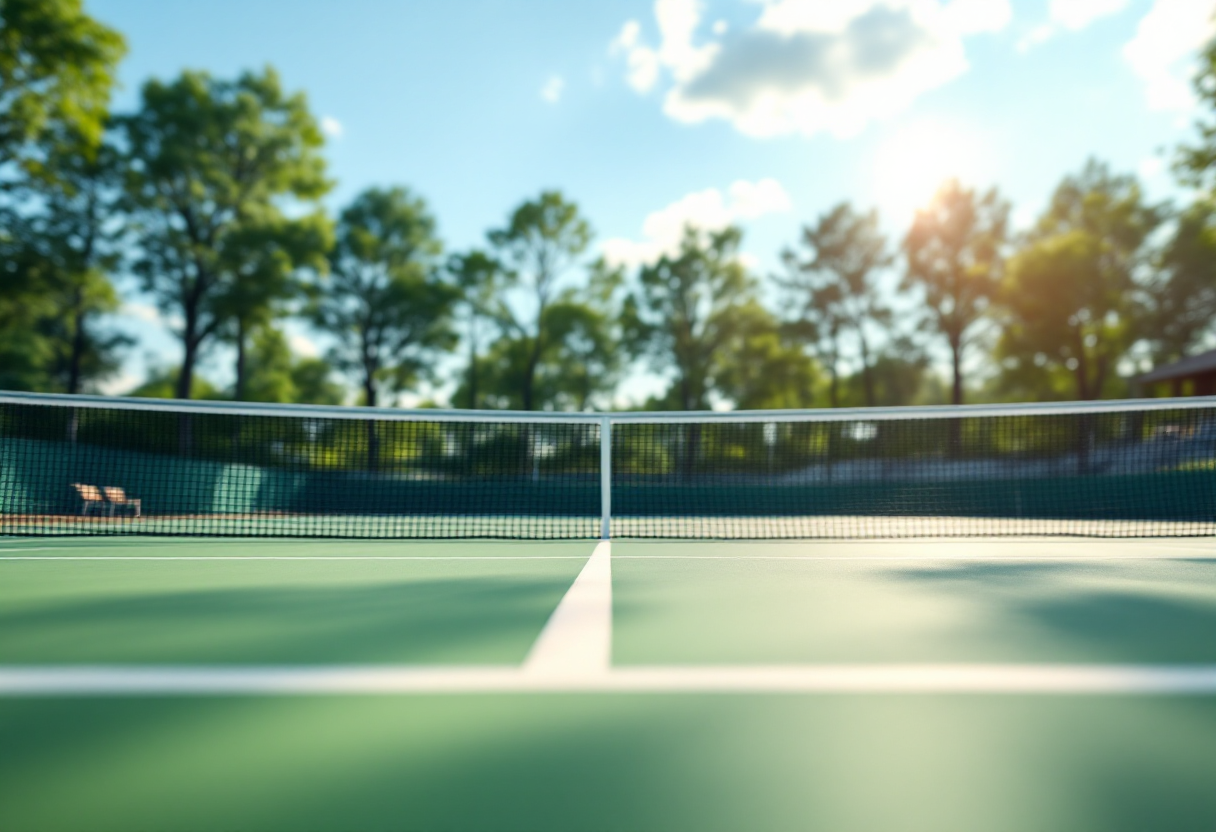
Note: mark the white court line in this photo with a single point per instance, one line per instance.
(1019, 558)
(577, 639)
(807, 679)
(297, 557)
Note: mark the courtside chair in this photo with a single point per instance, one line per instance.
(90, 498)
(119, 499)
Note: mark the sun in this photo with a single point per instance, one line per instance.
(914, 163)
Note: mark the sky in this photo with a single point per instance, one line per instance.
(654, 113)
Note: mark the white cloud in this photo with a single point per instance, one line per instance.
(969, 17)
(806, 66)
(1039, 34)
(302, 346)
(1075, 15)
(141, 312)
(118, 384)
(1069, 16)
(708, 210)
(1150, 168)
(148, 314)
(331, 127)
(1163, 50)
(552, 90)
(641, 62)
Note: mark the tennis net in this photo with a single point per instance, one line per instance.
(99, 466)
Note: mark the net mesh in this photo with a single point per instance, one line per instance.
(118, 469)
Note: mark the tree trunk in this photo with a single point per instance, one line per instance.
(185, 379)
(76, 354)
(185, 427)
(373, 438)
(866, 379)
(834, 372)
(530, 377)
(956, 357)
(241, 380)
(956, 394)
(472, 375)
(1081, 374)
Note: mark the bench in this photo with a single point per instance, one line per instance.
(118, 498)
(90, 498)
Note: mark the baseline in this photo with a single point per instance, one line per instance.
(806, 679)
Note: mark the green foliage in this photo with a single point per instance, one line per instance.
(56, 71)
(384, 301)
(479, 278)
(24, 296)
(59, 258)
(540, 244)
(1182, 293)
(1071, 299)
(276, 375)
(1195, 164)
(579, 361)
(209, 164)
(835, 286)
(954, 257)
(686, 310)
(764, 365)
(901, 375)
(164, 383)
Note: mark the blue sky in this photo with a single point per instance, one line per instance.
(650, 114)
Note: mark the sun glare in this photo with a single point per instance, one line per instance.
(911, 166)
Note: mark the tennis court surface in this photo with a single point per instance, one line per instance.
(910, 658)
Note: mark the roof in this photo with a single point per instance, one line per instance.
(1192, 365)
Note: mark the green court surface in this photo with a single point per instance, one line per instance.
(594, 758)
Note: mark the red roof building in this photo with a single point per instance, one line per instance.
(1194, 375)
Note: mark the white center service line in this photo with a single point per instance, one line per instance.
(577, 640)
(802, 679)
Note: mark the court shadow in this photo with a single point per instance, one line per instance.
(438, 620)
(1108, 612)
(598, 762)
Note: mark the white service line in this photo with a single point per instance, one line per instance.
(805, 679)
(296, 557)
(577, 639)
(968, 558)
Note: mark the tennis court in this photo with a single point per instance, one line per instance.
(927, 684)
(1016, 633)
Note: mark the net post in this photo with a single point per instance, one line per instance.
(605, 477)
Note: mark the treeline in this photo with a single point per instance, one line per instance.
(206, 198)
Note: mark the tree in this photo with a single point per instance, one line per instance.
(539, 245)
(209, 165)
(78, 234)
(56, 71)
(1072, 299)
(901, 376)
(384, 302)
(479, 278)
(264, 259)
(954, 257)
(1195, 164)
(1182, 292)
(764, 365)
(579, 363)
(276, 375)
(24, 298)
(835, 283)
(688, 307)
(161, 383)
